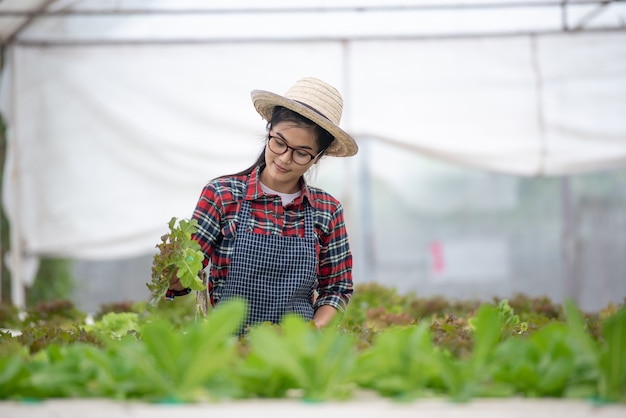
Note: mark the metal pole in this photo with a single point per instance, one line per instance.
(347, 189)
(434, 6)
(591, 15)
(365, 207)
(30, 16)
(568, 248)
(17, 287)
(309, 39)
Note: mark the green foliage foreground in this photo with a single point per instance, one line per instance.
(130, 355)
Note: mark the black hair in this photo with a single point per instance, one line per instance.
(282, 114)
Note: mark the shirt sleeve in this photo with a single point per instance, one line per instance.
(208, 213)
(335, 265)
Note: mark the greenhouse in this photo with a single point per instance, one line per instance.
(485, 206)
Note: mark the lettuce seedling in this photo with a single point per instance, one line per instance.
(296, 355)
(178, 255)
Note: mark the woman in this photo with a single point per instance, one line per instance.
(270, 238)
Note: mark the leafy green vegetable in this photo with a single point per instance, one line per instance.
(115, 324)
(12, 373)
(39, 337)
(587, 360)
(613, 358)
(166, 356)
(189, 360)
(178, 255)
(297, 355)
(60, 312)
(9, 315)
(402, 362)
(542, 365)
(488, 324)
(470, 376)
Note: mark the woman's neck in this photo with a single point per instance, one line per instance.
(287, 188)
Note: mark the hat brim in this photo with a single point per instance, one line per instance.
(265, 102)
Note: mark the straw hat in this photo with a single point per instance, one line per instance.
(315, 100)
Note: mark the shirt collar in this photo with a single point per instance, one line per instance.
(254, 190)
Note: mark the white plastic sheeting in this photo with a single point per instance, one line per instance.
(547, 106)
(116, 122)
(115, 141)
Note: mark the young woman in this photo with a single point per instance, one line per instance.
(270, 238)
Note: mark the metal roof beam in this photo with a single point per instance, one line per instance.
(276, 10)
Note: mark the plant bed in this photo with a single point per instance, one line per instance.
(396, 347)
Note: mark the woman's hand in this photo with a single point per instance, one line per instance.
(324, 315)
(175, 283)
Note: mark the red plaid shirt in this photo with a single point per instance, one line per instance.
(216, 213)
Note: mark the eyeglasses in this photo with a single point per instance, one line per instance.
(279, 146)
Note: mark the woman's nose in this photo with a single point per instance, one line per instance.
(287, 156)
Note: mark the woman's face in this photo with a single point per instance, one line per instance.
(281, 173)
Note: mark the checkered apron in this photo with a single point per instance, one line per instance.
(274, 274)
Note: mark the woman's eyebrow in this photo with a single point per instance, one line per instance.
(284, 139)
